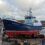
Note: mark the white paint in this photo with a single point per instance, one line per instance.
(42, 32)
(37, 24)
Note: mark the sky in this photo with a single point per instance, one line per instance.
(17, 9)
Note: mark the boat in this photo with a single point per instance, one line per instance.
(13, 28)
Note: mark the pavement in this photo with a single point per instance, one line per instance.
(0, 39)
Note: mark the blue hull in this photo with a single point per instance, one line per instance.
(12, 25)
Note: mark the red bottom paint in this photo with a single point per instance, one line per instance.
(11, 34)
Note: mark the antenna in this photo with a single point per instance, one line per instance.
(30, 12)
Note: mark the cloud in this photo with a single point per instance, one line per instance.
(38, 7)
(18, 8)
(25, 4)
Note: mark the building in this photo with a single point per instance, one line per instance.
(20, 21)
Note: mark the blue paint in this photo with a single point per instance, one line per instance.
(12, 25)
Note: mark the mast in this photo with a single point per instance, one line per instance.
(30, 12)
(29, 17)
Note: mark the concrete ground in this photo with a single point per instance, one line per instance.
(0, 39)
(32, 42)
